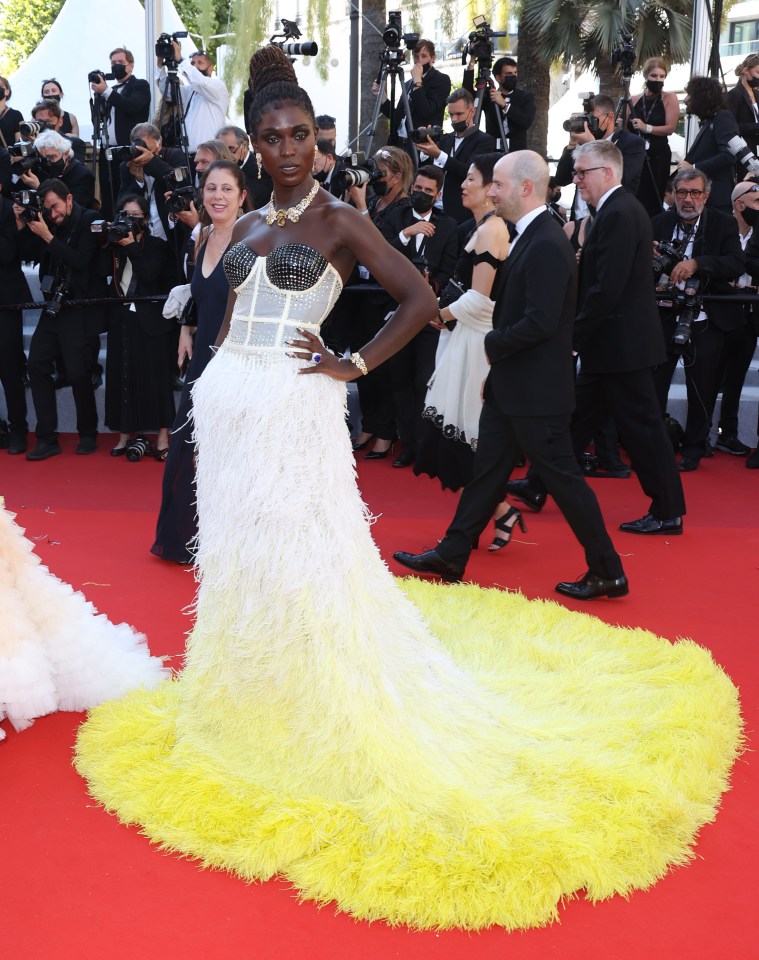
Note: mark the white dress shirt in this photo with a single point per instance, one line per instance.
(205, 101)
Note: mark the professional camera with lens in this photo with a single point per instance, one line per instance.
(624, 54)
(33, 128)
(164, 47)
(670, 254)
(126, 153)
(576, 124)
(183, 193)
(121, 228)
(423, 133)
(480, 43)
(118, 72)
(356, 172)
(290, 31)
(393, 34)
(24, 157)
(31, 201)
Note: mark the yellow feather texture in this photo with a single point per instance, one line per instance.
(579, 757)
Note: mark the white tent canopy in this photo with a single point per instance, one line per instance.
(84, 33)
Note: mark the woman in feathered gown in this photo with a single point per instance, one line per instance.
(56, 651)
(435, 756)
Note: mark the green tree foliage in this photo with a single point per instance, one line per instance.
(23, 25)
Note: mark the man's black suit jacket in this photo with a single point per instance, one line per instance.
(710, 153)
(81, 183)
(530, 345)
(13, 285)
(633, 150)
(427, 103)
(129, 107)
(717, 251)
(457, 166)
(520, 116)
(618, 329)
(440, 250)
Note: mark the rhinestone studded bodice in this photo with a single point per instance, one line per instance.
(294, 286)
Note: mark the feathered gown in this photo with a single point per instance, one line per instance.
(56, 651)
(435, 756)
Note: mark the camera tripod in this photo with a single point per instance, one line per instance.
(481, 85)
(172, 107)
(391, 64)
(101, 165)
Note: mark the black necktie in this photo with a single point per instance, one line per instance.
(513, 232)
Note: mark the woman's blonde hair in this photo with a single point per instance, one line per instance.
(397, 162)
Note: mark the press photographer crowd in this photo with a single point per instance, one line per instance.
(128, 234)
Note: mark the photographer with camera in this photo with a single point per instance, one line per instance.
(453, 153)
(9, 118)
(741, 100)
(145, 173)
(597, 123)
(426, 90)
(431, 242)
(703, 255)
(49, 114)
(516, 106)
(13, 289)
(142, 343)
(204, 96)
(57, 162)
(127, 102)
(326, 165)
(60, 239)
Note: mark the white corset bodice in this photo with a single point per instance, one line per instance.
(293, 286)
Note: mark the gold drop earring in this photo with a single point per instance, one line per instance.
(259, 163)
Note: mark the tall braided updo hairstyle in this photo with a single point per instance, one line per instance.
(273, 84)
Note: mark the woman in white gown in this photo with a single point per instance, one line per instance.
(457, 758)
(56, 651)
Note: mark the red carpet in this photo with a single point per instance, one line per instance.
(74, 883)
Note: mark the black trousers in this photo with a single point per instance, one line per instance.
(736, 358)
(67, 336)
(375, 389)
(702, 360)
(12, 368)
(547, 442)
(410, 372)
(631, 401)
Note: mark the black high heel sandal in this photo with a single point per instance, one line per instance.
(505, 527)
(380, 454)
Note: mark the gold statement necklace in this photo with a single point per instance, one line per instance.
(293, 214)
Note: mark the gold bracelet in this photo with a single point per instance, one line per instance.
(358, 361)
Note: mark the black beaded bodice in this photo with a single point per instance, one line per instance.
(290, 266)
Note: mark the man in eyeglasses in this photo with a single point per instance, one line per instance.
(618, 336)
(711, 256)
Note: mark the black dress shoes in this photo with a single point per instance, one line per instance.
(86, 446)
(17, 443)
(44, 449)
(591, 586)
(405, 459)
(650, 525)
(524, 491)
(688, 464)
(430, 562)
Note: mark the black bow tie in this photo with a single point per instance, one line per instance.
(513, 232)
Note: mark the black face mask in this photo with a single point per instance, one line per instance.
(53, 96)
(2, 94)
(556, 196)
(320, 177)
(753, 81)
(380, 188)
(421, 202)
(750, 215)
(459, 126)
(54, 167)
(600, 133)
(119, 71)
(426, 68)
(509, 83)
(655, 86)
